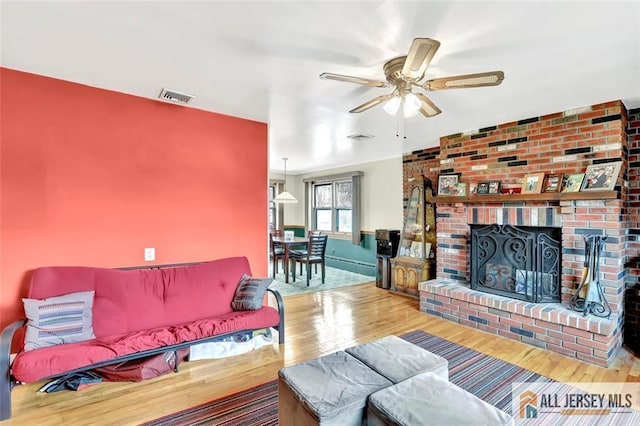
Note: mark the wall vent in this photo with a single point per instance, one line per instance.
(360, 136)
(175, 97)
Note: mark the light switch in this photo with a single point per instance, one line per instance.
(149, 254)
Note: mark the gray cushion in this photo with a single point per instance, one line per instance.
(427, 396)
(250, 293)
(396, 359)
(332, 385)
(59, 320)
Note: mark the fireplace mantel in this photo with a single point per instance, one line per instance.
(514, 198)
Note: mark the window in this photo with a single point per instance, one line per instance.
(344, 196)
(332, 206)
(272, 208)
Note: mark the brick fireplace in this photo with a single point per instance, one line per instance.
(565, 142)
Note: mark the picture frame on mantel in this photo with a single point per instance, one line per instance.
(552, 182)
(448, 183)
(572, 182)
(461, 189)
(482, 188)
(601, 177)
(473, 188)
(532, 183)
(494, 187)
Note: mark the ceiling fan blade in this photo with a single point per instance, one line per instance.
(492, 78)
(420, 54)
(428, 108)
(351, 79)
(370, 104)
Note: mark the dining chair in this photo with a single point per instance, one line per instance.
(276, 251)
(313, 255)
(303, 250)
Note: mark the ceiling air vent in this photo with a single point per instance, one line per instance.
(175, 97)
(360, 136)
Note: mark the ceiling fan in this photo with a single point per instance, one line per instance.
(405, 72)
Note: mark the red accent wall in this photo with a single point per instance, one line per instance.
(92, 177)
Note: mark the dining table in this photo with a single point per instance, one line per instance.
(287, 243)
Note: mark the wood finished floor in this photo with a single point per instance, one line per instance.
(316, 324)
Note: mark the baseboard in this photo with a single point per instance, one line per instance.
(350, 265)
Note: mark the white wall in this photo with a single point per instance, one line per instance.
(381, 194)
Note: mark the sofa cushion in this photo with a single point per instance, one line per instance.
(34, 365)
(250, 293)
(58, 320)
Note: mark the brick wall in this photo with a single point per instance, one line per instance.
(632, 297)
(564, 142)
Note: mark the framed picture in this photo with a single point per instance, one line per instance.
(552, 183)
(532, 183)
(572, 182)
(473, 187)
(483, 188)
(601, 177)
(494, 186)
(416, 249)
(461, 189)
(448, 184)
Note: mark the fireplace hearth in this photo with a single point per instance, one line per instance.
(519, 262)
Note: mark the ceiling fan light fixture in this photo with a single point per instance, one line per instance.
(411, 105)
(392, 106)
(404, 72)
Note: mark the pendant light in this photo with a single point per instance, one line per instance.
(285, 197)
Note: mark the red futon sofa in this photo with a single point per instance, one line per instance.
(135, 313)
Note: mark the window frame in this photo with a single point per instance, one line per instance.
(356, 210)
(334, 209)
(278, 187)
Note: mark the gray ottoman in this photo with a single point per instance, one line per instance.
(429, 399)
(396, 359)
(330, 390)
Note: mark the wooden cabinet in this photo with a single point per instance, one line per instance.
(415, 261)
(408, 272)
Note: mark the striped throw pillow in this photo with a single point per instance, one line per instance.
(58, 320)
(250, 293)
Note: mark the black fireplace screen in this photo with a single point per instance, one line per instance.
(518, 262)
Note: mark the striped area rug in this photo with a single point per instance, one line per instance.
(485, 376)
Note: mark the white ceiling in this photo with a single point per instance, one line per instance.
(261, 60)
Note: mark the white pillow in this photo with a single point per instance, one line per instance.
(58, 320)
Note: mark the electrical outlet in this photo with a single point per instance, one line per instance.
(149, 254)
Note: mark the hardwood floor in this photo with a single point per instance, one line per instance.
(316, 324)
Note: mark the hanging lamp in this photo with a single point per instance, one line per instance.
(285, 197)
